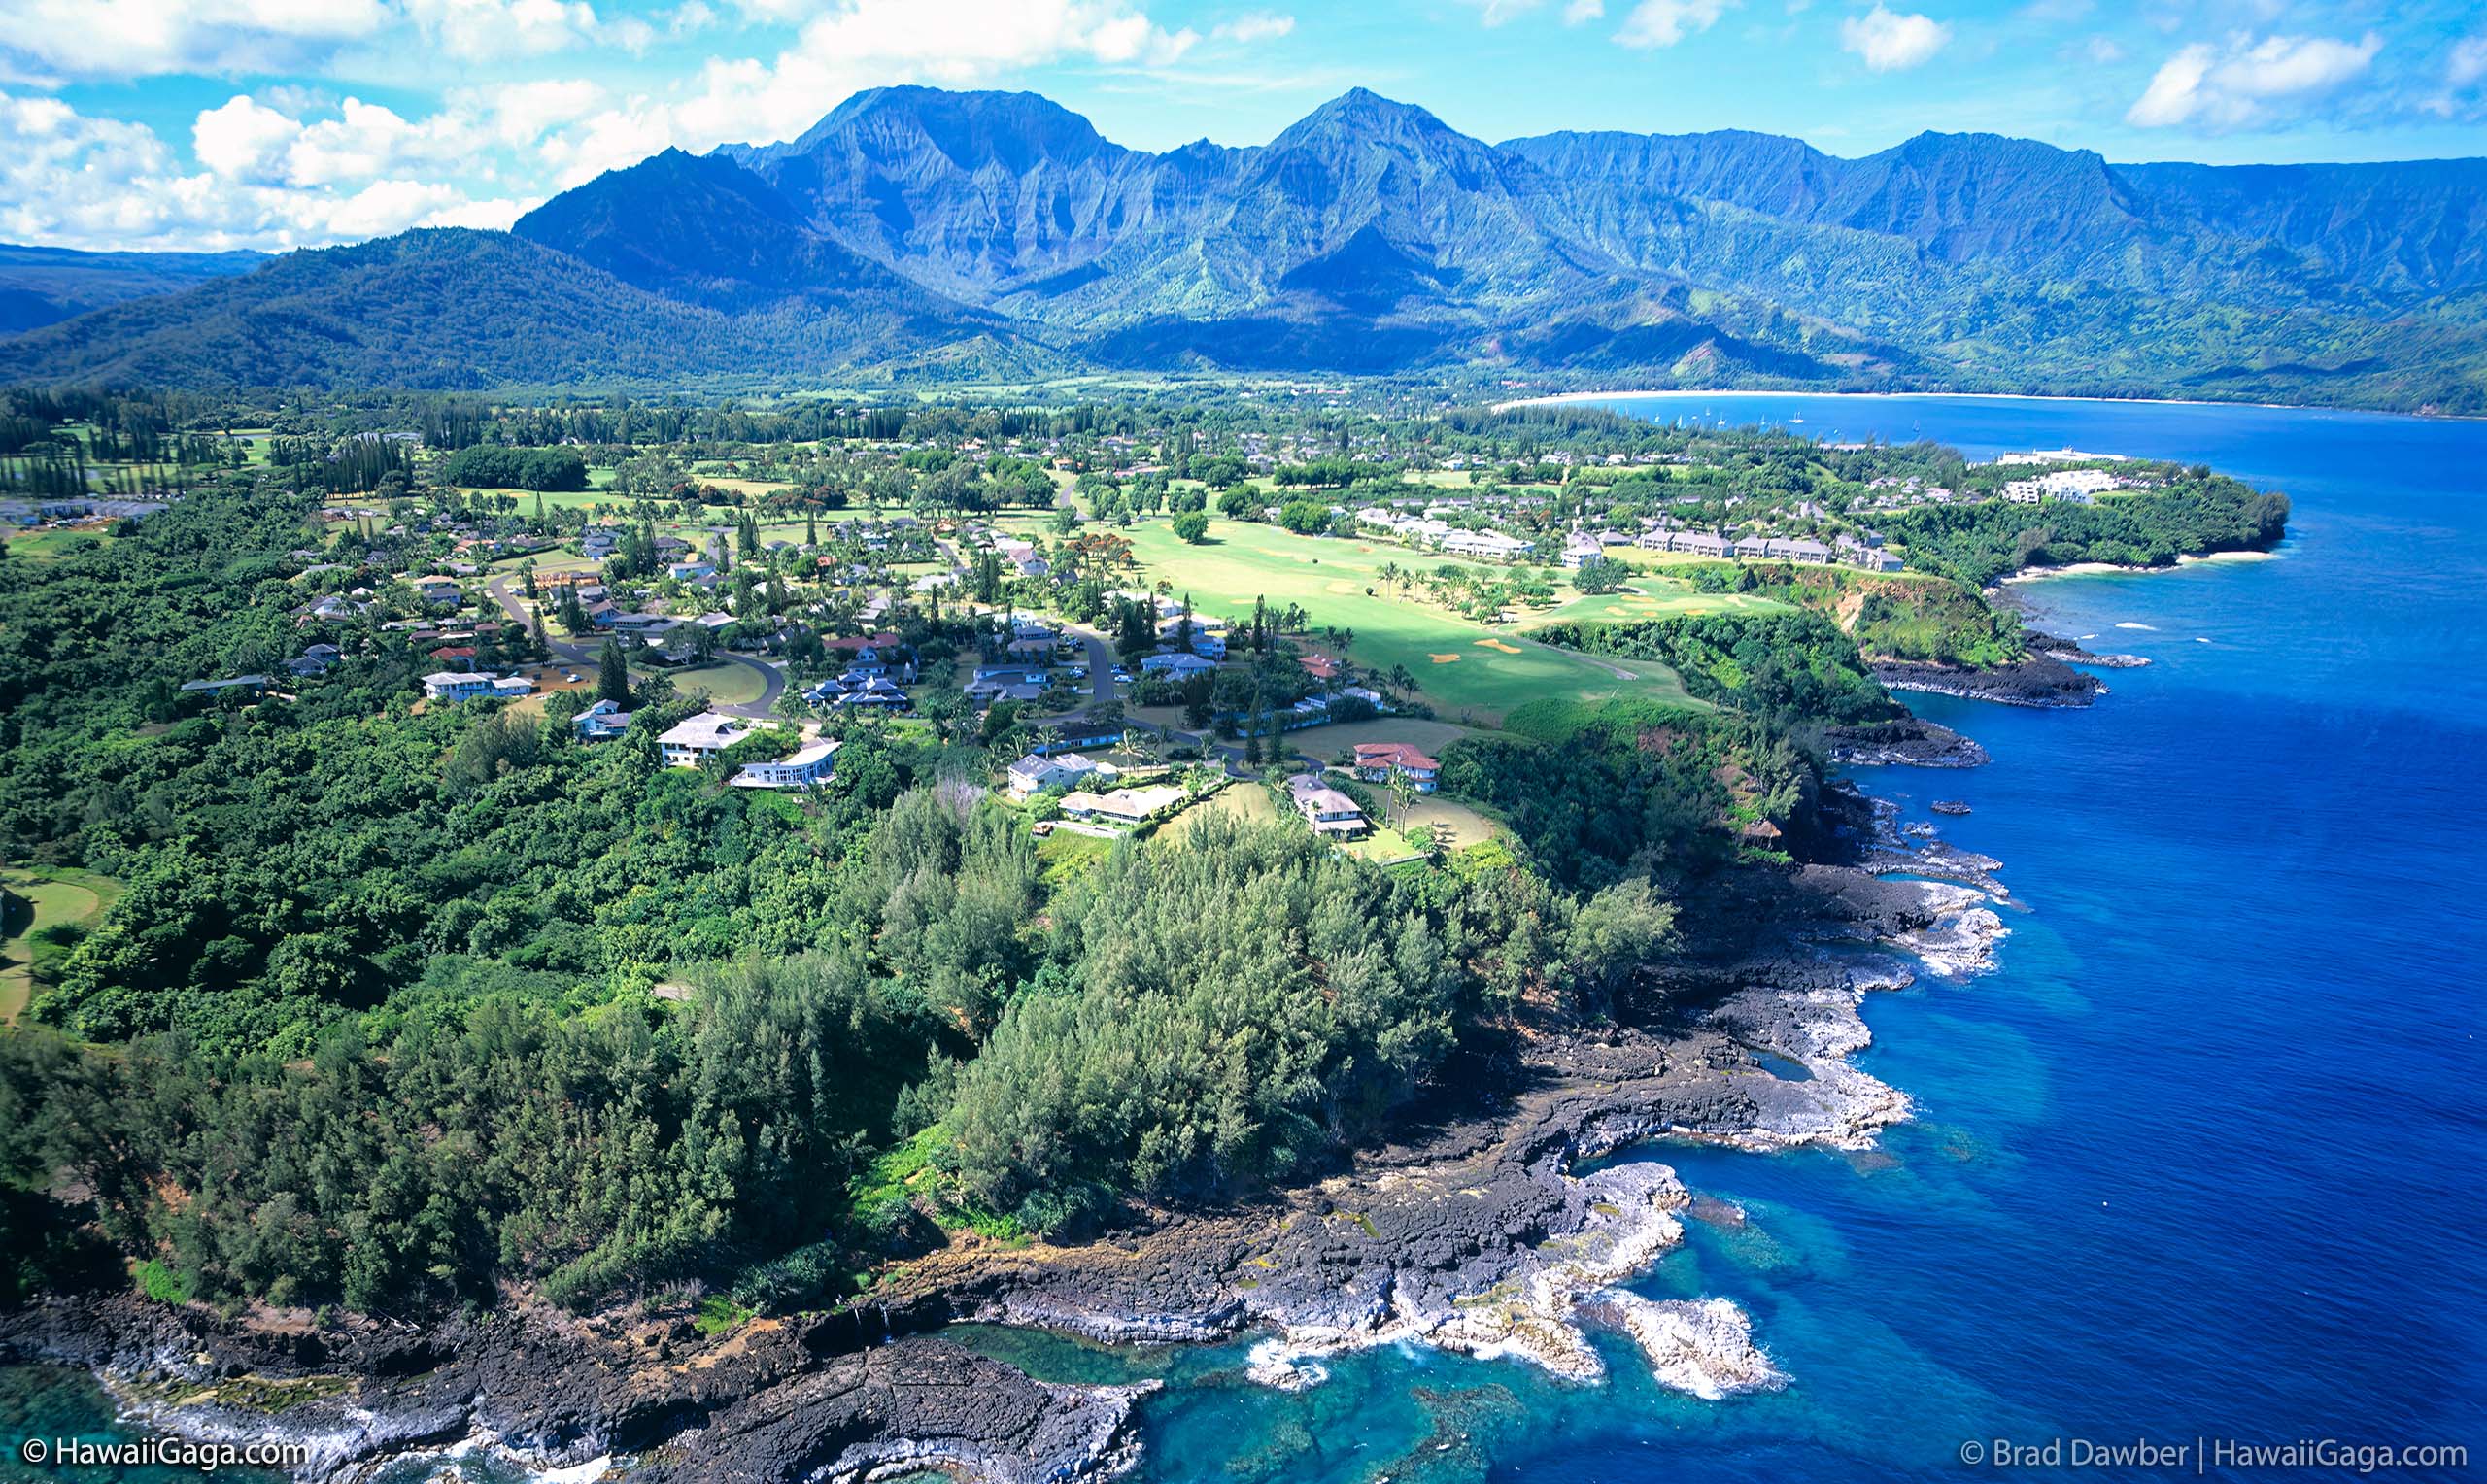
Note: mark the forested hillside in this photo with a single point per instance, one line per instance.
(399, 1004)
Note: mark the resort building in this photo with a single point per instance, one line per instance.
(1492, 546)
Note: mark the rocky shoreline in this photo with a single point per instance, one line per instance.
(1498, 1229)
(2041, 680)
(1909, 742)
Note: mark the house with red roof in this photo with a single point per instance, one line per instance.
(1375, 761)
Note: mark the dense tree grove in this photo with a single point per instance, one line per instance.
(2199, 511)
(516, 468)
(1791, 665)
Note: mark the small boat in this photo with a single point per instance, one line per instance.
(1948, 806)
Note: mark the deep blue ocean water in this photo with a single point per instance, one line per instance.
(2205, 1157)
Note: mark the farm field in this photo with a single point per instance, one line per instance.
(1460, 666)
(36, 900)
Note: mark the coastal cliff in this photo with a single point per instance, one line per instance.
(1485, 1232)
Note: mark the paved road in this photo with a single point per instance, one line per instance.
(773, 680)
(1101, 667)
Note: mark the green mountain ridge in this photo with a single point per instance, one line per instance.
(915, 231)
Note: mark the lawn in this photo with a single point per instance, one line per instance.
(1432, 736)
(35, 900)
(1065, 854)
(727, 683)
(47, 544)
(1657, 598)
(1463, 669)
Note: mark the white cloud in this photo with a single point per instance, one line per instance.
(143, 38)
(522, 115)
(1258, 26)
(1890, 41)
(2468, 62)
(1664, 23)
(857, 44)
(76, 182)
(1581, 12)
(2244, 84)
(2102, 51)
(494, 215)
(242, 139)
(481, 30)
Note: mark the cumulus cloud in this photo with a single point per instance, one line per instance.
(1892, 41)
(2247, 82)
(242, 139)
(1664, 23)
(79, 182)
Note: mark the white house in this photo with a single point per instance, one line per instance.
(1035, 773)
(806, 768)
(688, 744)
(600, 723)
(1123, 806)
(1328, 810)
(464, 685)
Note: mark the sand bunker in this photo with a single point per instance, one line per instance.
(1444, 659)
(1497, 644)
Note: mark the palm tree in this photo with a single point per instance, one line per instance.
(1403, 795)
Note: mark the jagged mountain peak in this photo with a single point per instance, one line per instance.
(970, 130)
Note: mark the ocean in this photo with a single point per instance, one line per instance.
(2202, 1164)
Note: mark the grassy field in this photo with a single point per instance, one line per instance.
(1461, 668)
(1658, 599)
(1432, 736)
(1066, 854)
(46, 545)
(36, 898)
(727, 683)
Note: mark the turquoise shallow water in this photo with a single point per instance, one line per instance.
(2203, 1157)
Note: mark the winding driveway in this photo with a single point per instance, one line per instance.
(773, 680)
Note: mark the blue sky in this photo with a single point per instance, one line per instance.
(273, 123)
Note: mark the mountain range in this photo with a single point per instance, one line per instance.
(918, 232)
